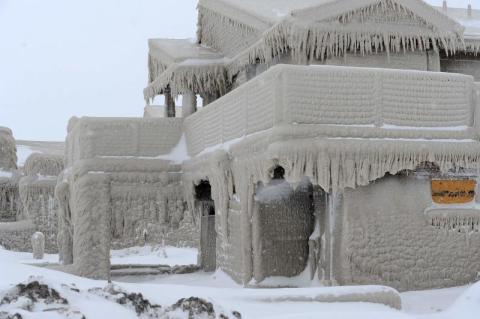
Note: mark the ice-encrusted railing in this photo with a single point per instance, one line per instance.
(339, 99)
(127, 137)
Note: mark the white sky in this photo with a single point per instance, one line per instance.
(60, 58)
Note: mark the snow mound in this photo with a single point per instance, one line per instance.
(37, 297)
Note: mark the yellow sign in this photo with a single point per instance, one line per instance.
(453, 191)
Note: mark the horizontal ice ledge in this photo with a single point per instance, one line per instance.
(330, 100)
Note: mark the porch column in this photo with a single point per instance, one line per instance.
(91, 234)
(169, 104)
(189, 103)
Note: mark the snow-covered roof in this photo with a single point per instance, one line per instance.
(327, 27)
(178, 62)
(265, 11)
(270, 12)
(246, 31)
(170, 51)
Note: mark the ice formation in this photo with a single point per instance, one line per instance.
(38, 245)
(8, 151)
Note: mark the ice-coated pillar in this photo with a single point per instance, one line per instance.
(64, 218)
(91, 234)
(189, 103)
(169, 104)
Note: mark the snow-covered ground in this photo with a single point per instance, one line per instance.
(149, 255)
(88, 297)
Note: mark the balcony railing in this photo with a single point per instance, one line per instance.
(135, 137)
(354, 102)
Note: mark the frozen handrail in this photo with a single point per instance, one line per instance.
(336, 100)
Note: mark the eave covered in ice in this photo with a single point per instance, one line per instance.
(183, 65)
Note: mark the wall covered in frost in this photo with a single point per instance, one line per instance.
(387, 239)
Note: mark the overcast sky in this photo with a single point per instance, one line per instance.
(60, 58)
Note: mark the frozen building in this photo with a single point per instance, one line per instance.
(328, 146)
(27, 199)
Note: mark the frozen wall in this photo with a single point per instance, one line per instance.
(422, 61)
(386, 239)
(229, 252)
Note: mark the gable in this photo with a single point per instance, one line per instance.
(381, 13)
(399, 12)
(363, 27)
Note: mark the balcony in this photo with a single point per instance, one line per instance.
(331, 101)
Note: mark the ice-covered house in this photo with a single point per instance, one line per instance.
(27, 199)
(329, 146)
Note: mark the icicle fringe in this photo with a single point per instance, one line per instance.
(333, 164)
(460, 219)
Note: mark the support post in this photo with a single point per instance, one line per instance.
(189, 103)
(91, 237)
(169, 104)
